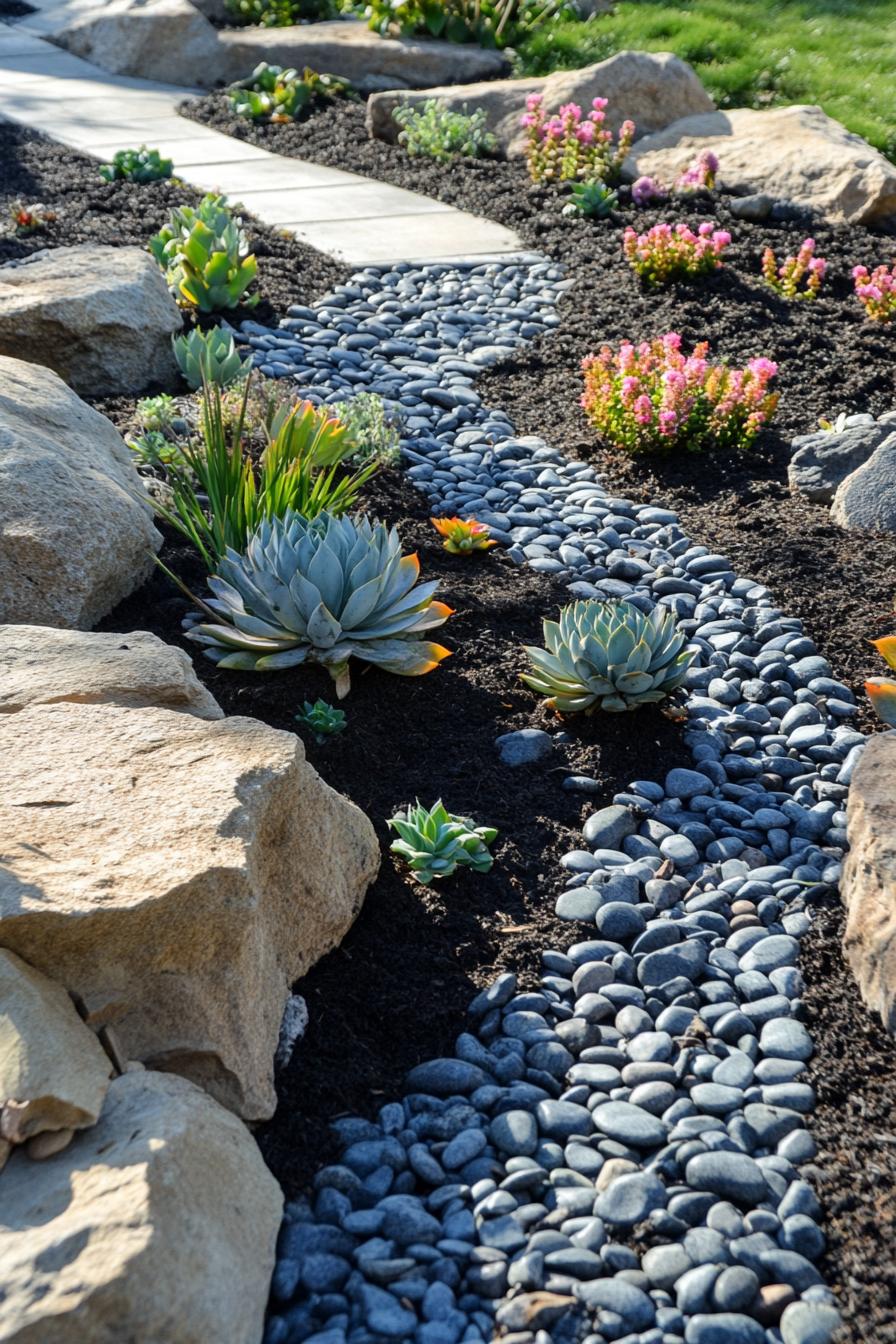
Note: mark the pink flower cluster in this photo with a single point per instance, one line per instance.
(568, 146)
(647, 189)
(665, 253)
(652, 397)
(877, 291)
(700, 175)
(786, 278)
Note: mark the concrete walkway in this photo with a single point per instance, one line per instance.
(352, 218)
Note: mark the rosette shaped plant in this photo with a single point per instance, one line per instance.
(435, 842)
(882, 690)
(322, 591)
(608, 655)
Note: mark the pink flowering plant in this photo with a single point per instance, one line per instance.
(668, 253)
(876, 291)
(654, 398)
(787, 278)
(647, 189)
(571, 147)
(700, 175)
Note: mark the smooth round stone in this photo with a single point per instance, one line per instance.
(809, 1323)
(682, 851)
(786, 1038)
(615, 1295)
(669, 963)
(681, 783)
(663, 1265)
(778, 949)
(469, 1143)
(735, 1071)
(716, 1099)
(619, 921)
(629, 1199)
(607, 828)
(650, 1047)
(523, 746)
(598, 1077)
(733, 1176)
(592, 977)
(579, 1157)
(575, 1261)
(725, 1328)
(735, 1289)
(580, 903)
(629, 1125)
(802, 1234)
(515, 1133)
(560, 1120)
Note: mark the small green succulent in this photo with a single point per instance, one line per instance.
(155, 449)
(435, 842)
(322, 718)
(209, 356)
(594, 200)
(608, 655)
(205, 256)
(137, 165)
(272, 93)
(438, 133)
(157, 413)
(375, 431)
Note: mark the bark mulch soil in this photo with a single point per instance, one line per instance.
(396, 990)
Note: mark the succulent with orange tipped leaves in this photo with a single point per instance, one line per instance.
(463, 536)
(882, 690)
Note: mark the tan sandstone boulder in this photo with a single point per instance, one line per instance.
(53, 1071)
(158, 1225)
(101, 317)
(652, 88)
(167, 40)
(795, 154)
(75, 535)
(179, 875)
(40, 665)
(868, 885)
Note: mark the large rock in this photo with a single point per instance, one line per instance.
(868, 885)
(821, 461)
(652, 88)
(39, 665)
(796, 154)
(53, 1071)
(167, 40)
(75, 535)
(173, 41)
(867, 497)
(179, 875)
(157, 1225)
(101, 317)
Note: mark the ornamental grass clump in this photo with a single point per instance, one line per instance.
(435, 842)
(787, 278)
(436, 132)
(137, 165)
(205, 255)
(664, 253)
(463, 536)
(321, 591)
(569, 147)
(608, 655)
(278, 95)
(882, 690)
(653, 398)
(876, 291)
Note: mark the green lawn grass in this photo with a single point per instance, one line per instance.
(840, 54)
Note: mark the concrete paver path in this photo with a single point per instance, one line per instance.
(346, 216)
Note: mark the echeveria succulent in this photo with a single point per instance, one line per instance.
(435, 842)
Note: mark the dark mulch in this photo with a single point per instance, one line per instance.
(395, 992)
(831, 359)
(854, 1072)
(89, 210)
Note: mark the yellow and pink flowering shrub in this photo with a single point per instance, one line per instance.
(653, 398)
(667, 253)
(877, 291)
(569, 147)
(786, 278)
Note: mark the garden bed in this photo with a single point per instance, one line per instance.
(830, 360)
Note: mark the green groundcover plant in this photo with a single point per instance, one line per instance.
(435, 131)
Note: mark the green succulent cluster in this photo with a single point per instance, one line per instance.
(283, 13)
(272, 93)
(157, 413)
(322, 591)
(209, 357)
(155, 449)
(205, 255)
(324, 719)
(436, 132)
(608, 655)
(593, 200)
(375, 431)
(435, 842)
(137, 165)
